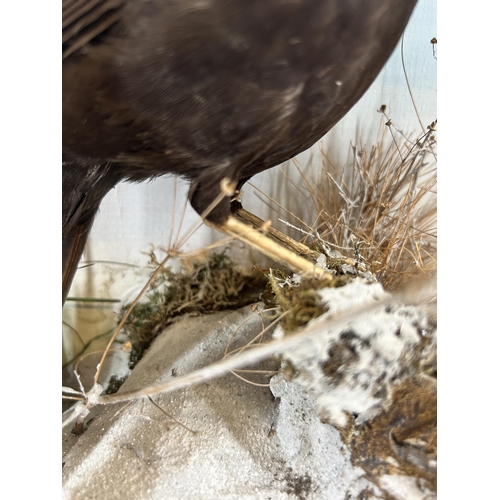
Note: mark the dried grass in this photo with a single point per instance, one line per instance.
(380, 208)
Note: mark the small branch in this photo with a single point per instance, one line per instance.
(252, 356)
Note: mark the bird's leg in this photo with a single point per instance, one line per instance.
(265, 244)
(271, 248)
(299, 248)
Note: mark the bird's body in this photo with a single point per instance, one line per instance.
(208, 89)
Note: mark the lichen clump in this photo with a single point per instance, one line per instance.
(299, 298)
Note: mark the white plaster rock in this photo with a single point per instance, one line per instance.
(352, 369)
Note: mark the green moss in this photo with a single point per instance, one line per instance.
(212, 285)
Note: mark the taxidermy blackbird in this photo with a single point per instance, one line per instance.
(213, 90)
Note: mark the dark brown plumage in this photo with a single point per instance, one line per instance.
(208, 89)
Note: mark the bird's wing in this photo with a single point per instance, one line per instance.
(83, 20)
